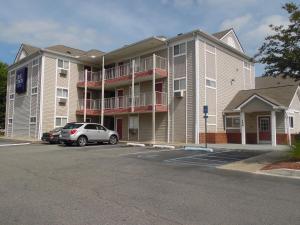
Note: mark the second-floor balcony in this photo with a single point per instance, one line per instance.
(124, 104)
(144, 69)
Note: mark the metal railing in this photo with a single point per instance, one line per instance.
(141, 65)
(121, 102)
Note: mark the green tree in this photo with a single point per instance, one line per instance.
(280, 51)
(3, 77)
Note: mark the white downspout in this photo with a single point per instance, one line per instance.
(85, 95)
(132, 86)
(153, 98)
(197, 85)
(102, 92)
(168, 94)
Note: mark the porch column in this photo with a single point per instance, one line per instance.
(132, 87)
(102, 92)
(153, 98)
(273, 127)
(243, 128)
(85, 95)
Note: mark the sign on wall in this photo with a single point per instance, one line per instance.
(21, 80)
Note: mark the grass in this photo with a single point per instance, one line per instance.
(295, 153)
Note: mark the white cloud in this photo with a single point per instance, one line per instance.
(237, 23)
(46, 32)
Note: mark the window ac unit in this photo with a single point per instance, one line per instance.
(62, 100)
(179, 94)
(63, 72)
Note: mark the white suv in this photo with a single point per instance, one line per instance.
(82, 133)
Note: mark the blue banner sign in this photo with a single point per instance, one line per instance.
(21, 80)
(205, 109)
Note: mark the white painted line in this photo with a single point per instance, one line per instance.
(136, 144)
(6, 145)
(194, 148)
(164, 146)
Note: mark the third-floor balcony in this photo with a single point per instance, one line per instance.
(144, 69)
(124, 104)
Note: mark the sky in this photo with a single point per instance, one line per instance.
(107, 25)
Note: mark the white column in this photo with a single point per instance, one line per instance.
(168, 94)
(85, 95)
(273, 127)
(197, 97)
(102, 92)
(132, 86)
(243, 128)
(153, 98)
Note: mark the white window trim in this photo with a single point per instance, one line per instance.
(180, 78)
(63, 88)
(37, 60)
(32, 122)
(60, 117)
(68, 61)
(36, 90)
(180, 54)
(232, 128)
(8, 121)
(211, 79)
(11, 95)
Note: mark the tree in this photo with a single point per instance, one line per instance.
(280, 51)
(3, 77)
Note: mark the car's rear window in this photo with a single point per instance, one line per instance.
(72, 125)
(57, 129)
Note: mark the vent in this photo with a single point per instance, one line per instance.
(179, 94)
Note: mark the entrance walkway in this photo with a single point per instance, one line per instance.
(255, 147)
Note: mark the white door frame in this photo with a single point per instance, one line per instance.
(257, 129)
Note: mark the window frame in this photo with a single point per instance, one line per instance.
(136, 119)
(64, 62)
(61, 118)
(180, 53)
(180, 88)
(10, 121)
(232, 128)
(33, 122)
(291, 122)
(62, 88)
(33, 88)
(211, 80)
(12, 98)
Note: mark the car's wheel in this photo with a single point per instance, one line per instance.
(82, 141)
(113, 140)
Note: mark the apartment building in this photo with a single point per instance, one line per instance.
(152, 90)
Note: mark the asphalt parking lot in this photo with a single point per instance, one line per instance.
(118, 185)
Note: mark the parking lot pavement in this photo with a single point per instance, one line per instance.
(198, 158)
(9, 142)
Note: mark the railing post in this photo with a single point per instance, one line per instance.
(102, 92)
(85, 95)
(153, 98)
(132, 86)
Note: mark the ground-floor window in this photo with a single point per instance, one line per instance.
(133, 124)
(232, 122)
(61, 121)
(291, 121)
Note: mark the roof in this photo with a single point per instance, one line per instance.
(273, 95)
(73, 51)
(29, 49)
(270, 81)
(221, 34)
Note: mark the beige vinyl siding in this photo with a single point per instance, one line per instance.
(145, 123)
(230, 80)
(161, 130)
(191, 91)
(231, 35)
(295, 105)
(49, 94)
(280, 127)
(9, 103)
(202, 85)
(171, 95)
(257, 105)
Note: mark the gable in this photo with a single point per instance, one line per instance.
(256, 105)
(231, 39)
(21, 54)
(295, 103)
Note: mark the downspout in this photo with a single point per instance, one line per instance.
(85, 95)
(168, 88)
(102, 91)
(153, 99)
(197, 85)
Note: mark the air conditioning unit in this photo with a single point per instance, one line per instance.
(179, 94)
(62, 100)
(63, 72)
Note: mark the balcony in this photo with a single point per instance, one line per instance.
(122, 74)
(123, 104)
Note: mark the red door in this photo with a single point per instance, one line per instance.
(120, 98)
(120, 127)
(158, 90)
(264, 127)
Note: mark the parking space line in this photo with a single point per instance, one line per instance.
(7, 145)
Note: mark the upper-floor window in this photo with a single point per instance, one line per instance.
(62, 92)
(12, 96)
(63, 64)
(34, 90)
(10, 121)
(247, 65)
(211, 83)
(33, 120)
(35, 62)
(179, 49)
(179, 84)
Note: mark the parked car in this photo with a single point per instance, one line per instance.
(52, 136)
(83, 133)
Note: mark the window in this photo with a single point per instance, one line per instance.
(99, 127)
(35, 62)
(60, 121)
(33, 120)
(34, 90)
(91, 127)
(291, 121)
(62, 93)
(211, 83)
(232, 122)
(179, 49)
(247, 65)
(133, 122)
(70, 126)
(63, 64)
(179, 84)
(10, 121)
(11, 96)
